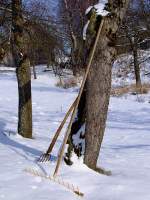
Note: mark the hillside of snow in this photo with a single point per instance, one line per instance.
(123, 69)
(125, 149)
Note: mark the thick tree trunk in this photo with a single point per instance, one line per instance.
(97, 100)
(99, 84)
(23, 71)
(137, 68)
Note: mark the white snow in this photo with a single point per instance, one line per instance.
(123, 68)
(85, 29)
(125, 150)
(100, 8)
(77, 140)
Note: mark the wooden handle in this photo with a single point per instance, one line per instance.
(60, 128)
(78, 100)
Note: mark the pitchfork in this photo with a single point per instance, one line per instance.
(47, 156)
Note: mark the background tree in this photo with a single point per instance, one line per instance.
(5, 28)
(134, 34)
(22, 64)
(72, 18)
(33, 36)
(40, 29)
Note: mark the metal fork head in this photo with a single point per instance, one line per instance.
(44, 158)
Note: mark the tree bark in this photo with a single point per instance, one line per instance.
(98, 86)
(22, 70)
(137, 68)
(99, 83)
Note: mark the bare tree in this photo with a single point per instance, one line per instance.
(5, 28)
(40, 31)
(22, 70)
(134, 34)
(73, 20)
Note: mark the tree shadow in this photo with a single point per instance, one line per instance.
(130, 118)
(135, 147)
(14, 145)
(54, 89)
(127, 128)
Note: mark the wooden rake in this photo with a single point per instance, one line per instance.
(73, 108)
(58, 180)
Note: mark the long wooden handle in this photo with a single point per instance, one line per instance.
(78, 100)
(50, 148)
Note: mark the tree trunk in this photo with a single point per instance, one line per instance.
(99, 84)
(97, 100)
(137, 68)
(22, 70)
(93, 110)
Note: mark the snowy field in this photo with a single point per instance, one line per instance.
(125, 150)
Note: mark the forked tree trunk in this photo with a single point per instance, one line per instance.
(99, 83)
(98, 86)
(22, 70)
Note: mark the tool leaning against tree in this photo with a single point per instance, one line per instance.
(46, 156)
(74, 106)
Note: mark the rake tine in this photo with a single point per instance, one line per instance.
(57, 180)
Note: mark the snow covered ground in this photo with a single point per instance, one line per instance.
(125, 150)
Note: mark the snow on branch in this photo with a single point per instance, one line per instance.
(100, 8)
(85, 29)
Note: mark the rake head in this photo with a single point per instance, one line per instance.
(44, 157)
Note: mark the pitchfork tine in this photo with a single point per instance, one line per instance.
(41, 158)
(45, 157)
